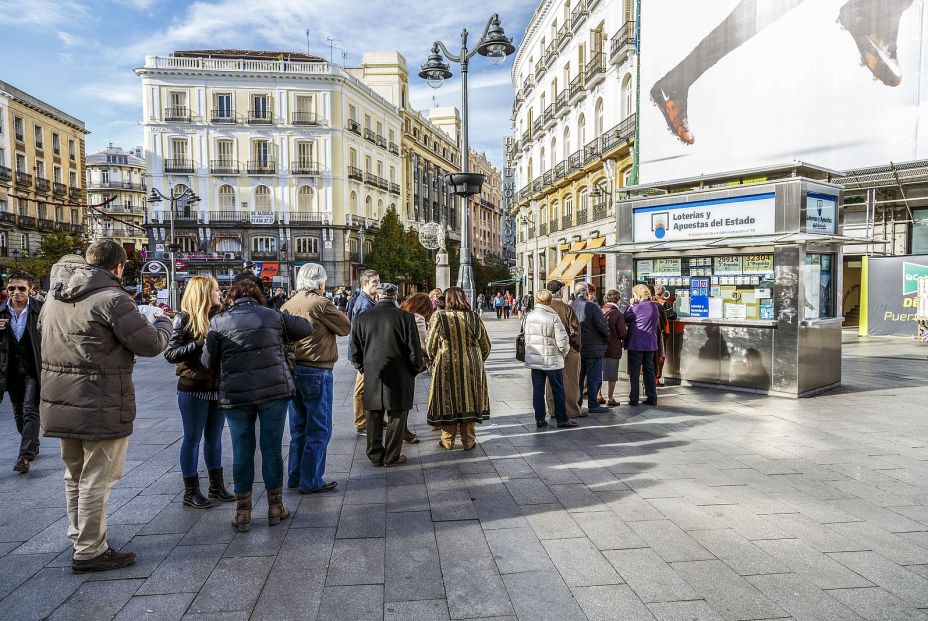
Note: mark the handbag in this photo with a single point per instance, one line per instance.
(520, 343)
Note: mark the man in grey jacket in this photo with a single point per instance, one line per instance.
(91, 332)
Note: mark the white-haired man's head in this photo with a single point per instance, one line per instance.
(311, 277)
(581, 291)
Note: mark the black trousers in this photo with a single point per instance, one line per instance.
(385, 440)
(637, 360)
(24, 396)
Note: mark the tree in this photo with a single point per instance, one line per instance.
(390, 250)
(492, 268)
(420, 268)
(51, 249)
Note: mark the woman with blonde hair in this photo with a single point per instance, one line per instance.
(197, 392)
(643, 319)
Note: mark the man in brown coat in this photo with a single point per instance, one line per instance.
(91, 333)
(572, 359)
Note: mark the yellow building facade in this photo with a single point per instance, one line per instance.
(486, 215)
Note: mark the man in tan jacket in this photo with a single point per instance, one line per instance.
(572, 359)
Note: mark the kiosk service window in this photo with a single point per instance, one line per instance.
(725, 287)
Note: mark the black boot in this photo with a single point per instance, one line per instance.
(217, 489)
(192, 496)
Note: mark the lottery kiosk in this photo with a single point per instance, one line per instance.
(753, 273)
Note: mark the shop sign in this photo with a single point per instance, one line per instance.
(910, 275)
(262, 217)
(666, 267)
(724, 217)
(699, 297)
(757, 264)
(821, 214)
(892, 287)
(728, 265)
(645, 267)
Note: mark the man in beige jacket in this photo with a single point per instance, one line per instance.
(572, 359)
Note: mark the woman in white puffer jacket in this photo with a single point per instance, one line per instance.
(546, 344)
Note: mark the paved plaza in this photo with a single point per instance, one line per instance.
(713, 505)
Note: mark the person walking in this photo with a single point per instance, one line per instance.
(436, 296)
(91, 331)
(315, 356)
(498, 304)
(643, 319)
(594, 338)
(421, 308)
(528, 303)
(508, 302)
(21, 363)
(572, 360)
(362, 302)
(198, 393)
(245, 347)
(618, 331)
(386, 351)
(546, 345)
(341, 300)
(456, 348)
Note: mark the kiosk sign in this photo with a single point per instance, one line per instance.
(725, 217)
(821, 214)
(699, 297)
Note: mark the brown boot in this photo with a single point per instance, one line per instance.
(276, 511)
(242, 519)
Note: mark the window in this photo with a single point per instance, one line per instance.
(264, 244)
(72, 150)
(818, 280)
(3, 239)
(186, 244)
(179, 102)
(367, 121)
(104, 177)
(304, 199)
(263, 198)
(21, 164)
(227, 244)
(369, 207)
(304, 103)
(56, 174)
(40, 169)
(59, 213)
(566, 143)
(43, 211)
(920, 231)
(179, 149)
(39, 139)
(379, 209)
(581, 132)
(304, 153)
(379, 128)
(5, 208)
(72, 178)
(2, 157)
(18, 129)
(74, 217)
(259, 107)
(353, 157)
(353, 203)
(352, 112)
(598, 127)
(23, 207)
(627, 108)
(226, 198)
(225, 150)
(307, 245)
(261, 152)
(56, 144)
(223, 106)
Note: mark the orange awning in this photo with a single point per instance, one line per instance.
(567, 261)
(583, 260)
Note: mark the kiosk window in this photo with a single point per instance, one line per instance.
(818, 281)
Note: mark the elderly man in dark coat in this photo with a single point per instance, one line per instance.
(385, 348)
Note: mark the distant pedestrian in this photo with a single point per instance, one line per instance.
(245, 346)
(528, 303)
(91, 333)
(311, 406)
(546, 345)
(456, 349)
(594, 340)
(198, 393)
(618, 331)
(643, 319)
(508, 303)
(498, 304)
(341, 300)
(363, 301)
(386, 351)
(435, 295)
(572, 360)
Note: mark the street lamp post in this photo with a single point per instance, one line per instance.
(186, 198)
(496, 46)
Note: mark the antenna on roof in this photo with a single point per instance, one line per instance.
(331, 48)
(307, 41)
(434, 101)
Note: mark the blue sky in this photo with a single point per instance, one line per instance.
(78, 55)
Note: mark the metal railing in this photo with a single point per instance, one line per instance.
(23, 179)
(74, 192)
(42, 185)
(59, 189)
(355, 173)
(583, 216)
(618, 135)
(304, 118)
(8, 216)
(260, 117)
(578, 15)
(591, 151)
(177, 113)
(552, 225)
(6, 174)
(394, 148)
(224, 167)
(306, 217)
(566, 221)
(218, 115)
(369, 135)
(176, 165)
(44, 224)
(576, 87)
(394, 188)
(261, 167)
(354, 126)
(600, 211)
(548, 115)
(543, 229)
(304, 167)
(119, 185)
(595, 68)
(622, 42)
(560, 102)
(27, 222)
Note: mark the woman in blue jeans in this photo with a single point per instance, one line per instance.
(197, 393)
(245, 346)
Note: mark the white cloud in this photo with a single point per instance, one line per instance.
(65, 58)
(68, 38)
(40, 14)
(140, 5)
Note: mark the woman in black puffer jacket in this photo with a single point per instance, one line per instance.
(245, 345)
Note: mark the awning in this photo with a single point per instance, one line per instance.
(502, 283)
(567, 261)
(708, 243)
(583, 260)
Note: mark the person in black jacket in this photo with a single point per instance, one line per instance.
(198, 392)
(594, 340)
(245, 345)
(385, 348)
(21, 363)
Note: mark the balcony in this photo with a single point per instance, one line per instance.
(595, 70)
(548, 117)
(560, 171)
(77, 229)
(264, 255)
(304, 167)
(7, 217)
(305, 118)
(46, 225)
(178, 166)
(355, 173)
(260, 117)
(59, 189)
(566, 221)
(369, 135)
(526, 138)
(27, 222)
(583, 216)
(620, 134)
(74, 192)
(42, 185)
(536, 128)
(564, 35)
(381, 141)
(394, 188)
(306, 217)
(23, 180)
(560, 103)
(6, 175)
(179, 114)
(575, 91)
(62, 227)
(537, 184)
(542, 229)
(222, 116)
(261, 167)
(552, 225)
(224, 167)
(529, 84)
(548, 178)
(540, 69)
(119, 185)
(129, 210)
(228, 217)
(591, 151)
(393, 148)
(578, 15)
(622, 43)
(354, 126)
(600, 211)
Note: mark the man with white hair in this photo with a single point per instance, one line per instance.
(594, 340)
(311, 405)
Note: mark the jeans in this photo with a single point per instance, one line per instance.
(202, 419)
(271, 415)
(556, 379)
(310, 426)
(637, 359)
(591, 370)
(24, 396)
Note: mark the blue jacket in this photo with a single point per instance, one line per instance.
(594, 328)
(361, 303)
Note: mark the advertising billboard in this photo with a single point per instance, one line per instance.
(737, 84)
(892, 294)
(723, 217)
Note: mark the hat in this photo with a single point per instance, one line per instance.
(554, 286)
(388, 290)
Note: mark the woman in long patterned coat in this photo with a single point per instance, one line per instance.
(456, 347)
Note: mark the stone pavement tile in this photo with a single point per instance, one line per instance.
(887, 544)
(422, 610)
(919, 513)
(821, 537)
(15, 569)
(551, 522)
(551, 469)
(185, 569)
(150, 550)
(684, 513)
(886, 574)
(19, 530)
(577, 498)
(412, 568)
(316, 511)
(212, 527)
(117, 537)
(727, 592)
(669, 541)
(289, 594)
(97, 600)
(652, 579)
(921, 570)
(358, 521)
(451, 505)
(518, 550)
(174, 518)
(40, 595)
(261, 540)
(513, 467)
(822, 490)
(801, 599)
(366, 491)
(234, 585)
(696, 610)
(407, 497)
(496, 512)
(814, 566)
(748, 524)
(51, 539)
(356, 561)
(358, 603)
(155, 607)
(306, 549)
(875, 604)
(819, 510)
(580, 563)
(610, 602)
(473, 584)
(530, 492)
(629, 506)
(743, 556)
(542, 595)
(607, 531)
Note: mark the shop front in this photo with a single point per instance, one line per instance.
(752, 272)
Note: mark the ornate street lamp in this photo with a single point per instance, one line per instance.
(186, 198)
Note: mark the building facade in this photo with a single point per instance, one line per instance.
(117, 178)
(41, 172)
(574, 125)
(486, 211)
(293, 159)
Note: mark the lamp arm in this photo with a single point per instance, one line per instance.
(444, 50)
(486, 31)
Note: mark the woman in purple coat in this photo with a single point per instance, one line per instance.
(643, 319)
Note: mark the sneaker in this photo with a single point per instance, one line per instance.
(22, 466)
(111, 559)
(362, 431)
